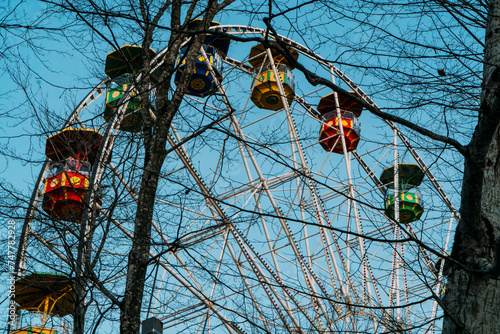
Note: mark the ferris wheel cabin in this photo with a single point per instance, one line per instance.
(47, 294)
(265, 91)
(410, 206)
(329, 134)
(72, 152)
(122, 66)
(202, 82)
(34, 330)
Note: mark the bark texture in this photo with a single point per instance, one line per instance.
(473, 289)
(155, 152)
(473, 292)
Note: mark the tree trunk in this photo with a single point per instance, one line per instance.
(474, 304)
(472, 297)
(473, 294)
(155, 155)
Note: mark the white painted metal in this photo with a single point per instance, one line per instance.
(272, 253)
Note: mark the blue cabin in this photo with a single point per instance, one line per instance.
(202, 82)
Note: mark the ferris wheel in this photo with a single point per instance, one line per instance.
(274, 212)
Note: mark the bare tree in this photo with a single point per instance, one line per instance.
(426, 72)
(438, 63)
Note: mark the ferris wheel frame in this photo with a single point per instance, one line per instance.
(225, 223)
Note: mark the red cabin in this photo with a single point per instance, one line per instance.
(65, 192)
(329, 134)
(72, 152)
(327, 104)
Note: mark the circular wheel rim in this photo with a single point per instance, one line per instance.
(318, 300)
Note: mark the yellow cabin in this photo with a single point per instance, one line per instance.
(34, 330)
(265, 91)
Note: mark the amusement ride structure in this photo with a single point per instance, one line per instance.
(261, 224)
